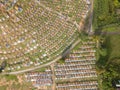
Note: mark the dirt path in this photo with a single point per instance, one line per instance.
(53, 76)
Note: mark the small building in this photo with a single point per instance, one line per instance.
(116, 83)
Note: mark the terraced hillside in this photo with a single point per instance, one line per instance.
(33, 33)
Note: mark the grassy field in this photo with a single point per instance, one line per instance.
(110, 49)
(41, 69)
(9, 77)
(111, 28)
(115, 48)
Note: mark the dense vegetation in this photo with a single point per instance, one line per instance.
(106, 13)
(109, 61)
(107, 19)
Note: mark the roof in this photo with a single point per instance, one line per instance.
(117, 83)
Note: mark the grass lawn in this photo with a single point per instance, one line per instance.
(112, 28)
(3, 87)
(115, 46)
(41, 69)
(9, 77)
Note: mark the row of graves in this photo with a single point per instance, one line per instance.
(75, 9)
(41, 80)
(80, 66)
(76, 73)
(33, 37)
(78, 85)
(7, 4)
(9, 8)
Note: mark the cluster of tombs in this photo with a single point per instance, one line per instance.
(36, 35)
(77, 72)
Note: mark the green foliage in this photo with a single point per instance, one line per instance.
(106, 19)
(41, 69)
(114, 45)
(108, 76)
(117, 3)
(103, 52)
(104, 13)
(61, 61)
(109, 60)
(111, 28)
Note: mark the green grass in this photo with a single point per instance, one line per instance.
(10, 77)
(111, 28)
(41, 69)
(110, 49)
(61, 61)
(104, 14)
(115, 46)
(14, 86)
(3, 87)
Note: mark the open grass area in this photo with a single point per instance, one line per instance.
(41, 69)
(110, 49)
(111, 28)
(115, 46)
(3, 87)
(9, 77)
